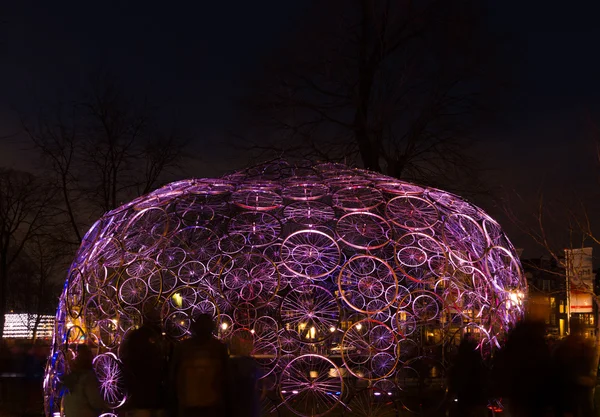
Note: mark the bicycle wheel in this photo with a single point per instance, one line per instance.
(451, 201)
(357, 198)
(133, 291)
(369, 350)
(139, 268)
(372, 278)
(309, 388)
(259, 229)
(183, 298)
(145, 230)
(257, 199)
(305, 191)
(421, 258)
(310, 311)
(363, 230)
(75, 296)
(177, 325)
(411, 212)
(162, 281)
(191, 272)
(75, 335)
(108, 333)
(309, 213)
(503, 268)
(171, 257)
(310, 253)
(266, 328)
(371, 402)
(232, 243)
(200, 243)
(244, 315)
(426, 305)
(110, 376)
(251, 278)
(466, 238)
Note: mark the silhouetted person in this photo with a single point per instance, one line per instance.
(524, 370)
(18, 386)
(243, 376)
(144, 370)
(83, 398)
(199, 368)
(574, 366)
(467, 381)
(34, 372)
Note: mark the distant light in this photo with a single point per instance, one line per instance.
(332, 329)
(20, 326)
(178, 299)
(294, 392)
(252, 331)
(224, 326)
(377, 393)
(358, 326)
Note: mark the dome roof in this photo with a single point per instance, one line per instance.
(325, 268)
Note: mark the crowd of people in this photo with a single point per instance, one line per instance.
(197, 377)
(21, 374)
(533, 376)
(202, 377)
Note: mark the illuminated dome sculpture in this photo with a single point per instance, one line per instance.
(351, 284)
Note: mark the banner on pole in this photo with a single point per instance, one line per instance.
(581, 279)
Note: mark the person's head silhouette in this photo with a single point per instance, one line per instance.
(202, 327)
(577, 327)
(83, 359)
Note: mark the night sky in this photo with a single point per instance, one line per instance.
(194, 61)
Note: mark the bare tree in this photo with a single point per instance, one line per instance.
(113, 130)
(35, 278)
(162, 154)
(23, 212)
(395, 85)
(57, 139)
(555, 226)
(101, 151)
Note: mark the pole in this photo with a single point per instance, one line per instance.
(568, 267)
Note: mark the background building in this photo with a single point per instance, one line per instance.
(551, 289)
(547, 289)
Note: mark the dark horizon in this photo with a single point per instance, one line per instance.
(195, 62)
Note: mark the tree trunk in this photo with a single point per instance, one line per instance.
(369, 156)
(368, 151)
(3, 292)
(597, 347)
(36, 324)
(69, 208)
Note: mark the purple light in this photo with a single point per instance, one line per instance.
(331, 272)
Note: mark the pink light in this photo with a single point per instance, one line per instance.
(280, 255)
